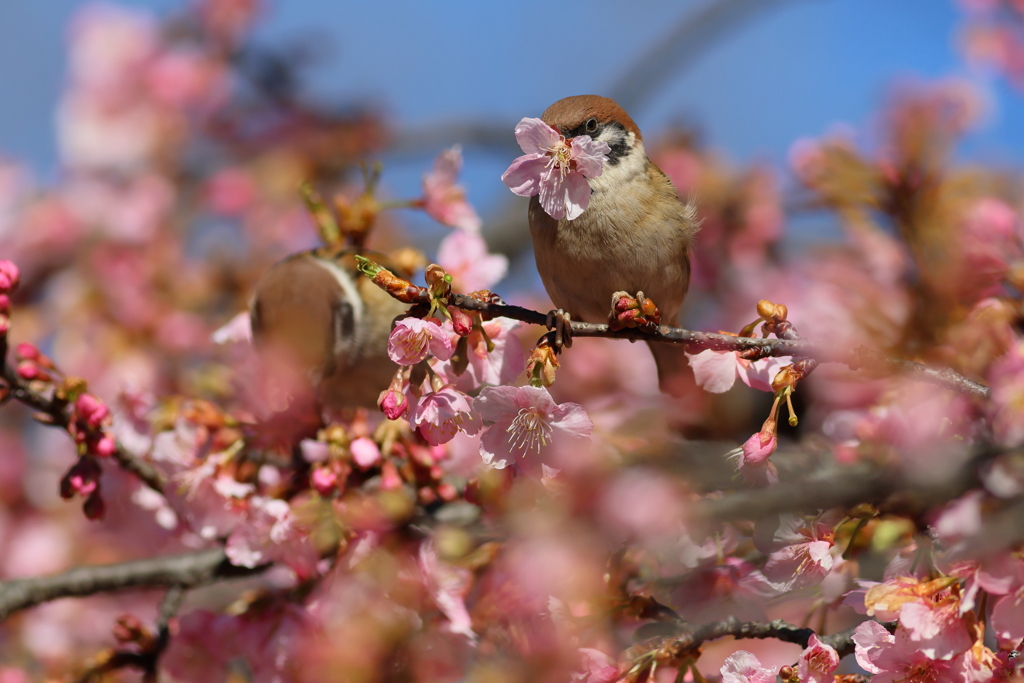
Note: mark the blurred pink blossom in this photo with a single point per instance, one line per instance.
(464, 256)
(555, 168)
(412, 339)
(444, 200)
(528, 428)
(799, 552)
(448, 585)
(268, 534)
(716, 371)
(365, 452)
(597, 667)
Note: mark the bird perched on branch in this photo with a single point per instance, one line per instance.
(610, 233)
(316, 314)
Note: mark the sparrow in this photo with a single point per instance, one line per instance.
(315, 312)
(634, 238)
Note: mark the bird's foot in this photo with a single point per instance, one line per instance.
(560, 321)
(629, 311)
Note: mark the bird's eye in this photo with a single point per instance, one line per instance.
(591, 125)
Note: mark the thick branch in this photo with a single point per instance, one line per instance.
(824, 352)
(186, 571)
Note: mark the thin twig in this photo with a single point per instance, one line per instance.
(186, 571)
(56, 411)
(778, 630)
(824, 352)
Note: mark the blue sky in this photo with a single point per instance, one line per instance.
(793, 71)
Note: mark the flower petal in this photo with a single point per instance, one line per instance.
(590, 155)
(577, 195)
(524, 176)
(535, 136)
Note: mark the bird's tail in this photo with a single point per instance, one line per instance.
(671, 362)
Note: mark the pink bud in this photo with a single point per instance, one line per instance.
(757, 448)
(28, 370)
(94, 507)
(9, 276)
(393, 404)
(105, 447)
(82, 479)
(27, 351)
(91, 409)
(5, 304)
(323, 480)
(461, 322)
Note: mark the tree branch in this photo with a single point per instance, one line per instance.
(56, 411)
(778, 629)
(185, 571)
(860, 358)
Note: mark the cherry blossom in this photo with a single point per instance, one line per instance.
(413, 339)
(597, 667)
(441, 414)
(443, 199)
(716, 371)
(895, 658)
(464, 256)
(555, 168)
(269, 533)
(799, 553)
(528, 429)
(744, 667)
(448, 586)
(501, 362)
(817, 662)
(928, 612)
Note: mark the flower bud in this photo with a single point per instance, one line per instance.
(438, 280)
(94, 507)
(462, 322)
(104, 447)
(9, 276)
(542, 365)
(26, 351)
(323, 480)
(393, 403)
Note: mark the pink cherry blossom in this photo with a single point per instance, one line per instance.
(928, 612)
(269, 534)
(817, 662)
(716, 371)
(364, 452)
(503, 364)
(443, 199)
(441, 414)
(528, 428)
(413, 339)
(744, 667)
(799, 552)
(597, 667)
(448, 585)
(555, 168)
(464, 256)
(894, 659)
(1008, 616)
(1006, 407)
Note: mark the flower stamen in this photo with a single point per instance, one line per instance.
(529, 431)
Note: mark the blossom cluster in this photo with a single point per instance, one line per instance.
(499, 510)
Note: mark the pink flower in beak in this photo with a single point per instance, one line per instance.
(556, 168)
